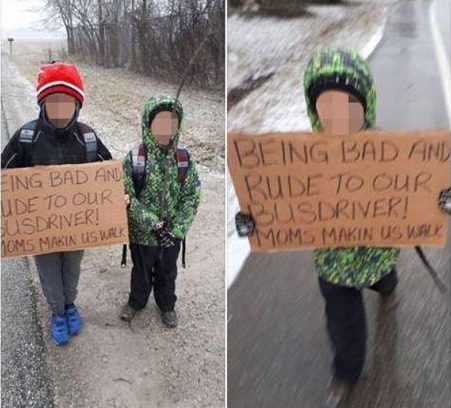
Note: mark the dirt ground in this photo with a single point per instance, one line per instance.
(112, 365)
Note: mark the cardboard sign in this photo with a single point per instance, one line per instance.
(62, 208)
(307, 190)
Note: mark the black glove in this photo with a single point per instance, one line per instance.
(444, 201)
(164, 237)
(245, 224)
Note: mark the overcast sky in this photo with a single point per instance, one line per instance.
(16, 14)
(19, 17)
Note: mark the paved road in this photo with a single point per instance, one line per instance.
(278, 352)
(443, 15)
(25, 382)
(406, 72)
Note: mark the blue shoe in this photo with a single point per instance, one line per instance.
(59, 330)
(73, 318)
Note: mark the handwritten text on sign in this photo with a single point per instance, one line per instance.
(62, 208)
(372, 189)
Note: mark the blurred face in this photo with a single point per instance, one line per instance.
(339, 112)
(60, 109)
(164, 126)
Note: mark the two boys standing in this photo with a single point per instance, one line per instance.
(160, 213)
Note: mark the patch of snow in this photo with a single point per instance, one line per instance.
(371, 45)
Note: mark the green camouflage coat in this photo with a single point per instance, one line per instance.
(162, 195)
(358, 266)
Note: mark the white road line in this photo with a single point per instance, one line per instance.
(374, 41)
(442, 60)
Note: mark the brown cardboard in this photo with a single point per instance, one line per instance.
(62, 208)
(373, 188)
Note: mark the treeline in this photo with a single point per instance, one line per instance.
(282, 8)
(157, 38)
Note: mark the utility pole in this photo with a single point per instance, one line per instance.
(10, 44)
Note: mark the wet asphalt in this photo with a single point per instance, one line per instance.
(278, 350)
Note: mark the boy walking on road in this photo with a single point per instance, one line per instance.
(341, 100)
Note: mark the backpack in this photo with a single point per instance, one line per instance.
(139, 157)
(27, 133)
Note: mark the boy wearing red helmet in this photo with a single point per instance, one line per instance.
(57, 137)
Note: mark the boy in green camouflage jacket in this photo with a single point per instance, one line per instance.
(162, 207)
(335, 76)
(341, 99)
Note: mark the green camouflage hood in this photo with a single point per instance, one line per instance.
(154, 105)
(334, 68)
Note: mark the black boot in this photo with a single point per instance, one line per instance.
(127, 313)
(169, 319)
(337, 393)
(387, 285)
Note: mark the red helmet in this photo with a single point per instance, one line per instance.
(59, 77)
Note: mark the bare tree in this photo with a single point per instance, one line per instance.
(156, 38)
(101, 32)
(61, 9)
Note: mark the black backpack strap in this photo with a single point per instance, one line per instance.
(27, 132)
(184, 253)
(124, 256)
(26, 139)
(182, 158)
(90, 139)
(438, 283)
(139, 157)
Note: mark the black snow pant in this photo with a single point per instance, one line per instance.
(153, 267)
(346, 324)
